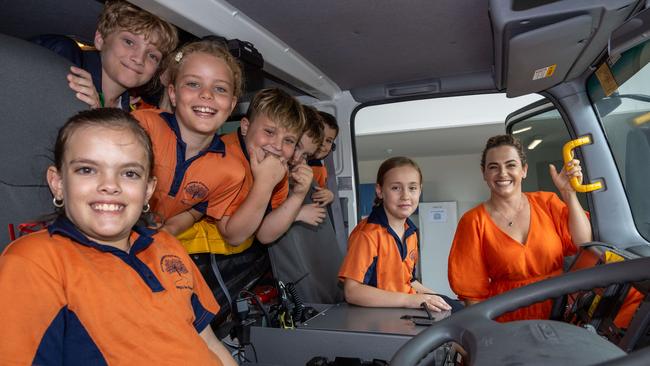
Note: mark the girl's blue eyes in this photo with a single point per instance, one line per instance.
(217, 89)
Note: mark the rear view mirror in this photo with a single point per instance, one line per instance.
(631, 33)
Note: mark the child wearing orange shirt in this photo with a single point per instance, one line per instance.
(99, 287)
(331, 130)
(205, 81)
(263, 145)
(379, 267)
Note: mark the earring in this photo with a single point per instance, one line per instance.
(58, 203)
(146, 208)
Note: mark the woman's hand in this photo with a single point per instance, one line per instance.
(563, 178)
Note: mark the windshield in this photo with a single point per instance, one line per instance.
(625, 115)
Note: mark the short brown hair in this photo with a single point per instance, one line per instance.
(394, 162)
(314, 125)
(330, 121)
(278, 106)
(121, 15)
(213, 48)
(503, 140)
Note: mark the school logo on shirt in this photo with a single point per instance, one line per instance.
(194, 191)
(174, 266)
(412, 254)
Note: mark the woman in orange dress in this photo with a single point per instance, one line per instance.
(515, 238)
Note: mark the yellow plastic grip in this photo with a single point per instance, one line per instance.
(567, 154)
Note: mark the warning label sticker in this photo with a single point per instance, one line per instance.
(544, 72)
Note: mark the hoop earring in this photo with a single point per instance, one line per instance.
(58, 203)
(146, 208)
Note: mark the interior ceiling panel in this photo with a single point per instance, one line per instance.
(47, 16)
(363, 42)
(436, 142)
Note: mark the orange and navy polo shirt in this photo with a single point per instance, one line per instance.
(378, 257)
(320, 172)
(207, 182)
(236, 145)
(69, 300)
(203, 236)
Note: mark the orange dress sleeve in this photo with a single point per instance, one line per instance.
(362, 252)
(467, 268)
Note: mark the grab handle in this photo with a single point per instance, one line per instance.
(567, 154)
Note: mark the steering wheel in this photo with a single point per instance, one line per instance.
(531, 342)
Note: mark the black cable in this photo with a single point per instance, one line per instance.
(299, 305)
(254, 352)
(259, 304)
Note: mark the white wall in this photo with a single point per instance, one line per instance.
(445, 178)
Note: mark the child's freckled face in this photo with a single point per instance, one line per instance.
(263, 133)
(400, 191)
(104, 182)
(202, 94)
(128, 59)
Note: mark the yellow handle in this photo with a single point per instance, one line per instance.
(567, 154)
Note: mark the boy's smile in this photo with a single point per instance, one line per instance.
(326, 146)
(267, 135)
(304, 150)
(128, 60)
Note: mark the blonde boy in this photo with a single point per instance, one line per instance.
(130, 45)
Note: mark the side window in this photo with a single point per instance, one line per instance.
(625, 117)
(543, 133)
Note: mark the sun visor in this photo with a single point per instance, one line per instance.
(541, 58)
(538, 44)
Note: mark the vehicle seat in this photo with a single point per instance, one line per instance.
(311, 251)
(35, 101)
(638, 175)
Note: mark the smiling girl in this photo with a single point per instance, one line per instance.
(95, 287)
(196, 176)
(379, 268)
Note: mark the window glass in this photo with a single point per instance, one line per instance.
(625, 116)
(543, 135)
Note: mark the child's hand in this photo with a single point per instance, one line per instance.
(81, 82)
(302, 176)
(311, 214)
(323, 196)
(269, 169)
(433, 302)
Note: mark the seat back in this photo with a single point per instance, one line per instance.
(35, 101)
(312, 251)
